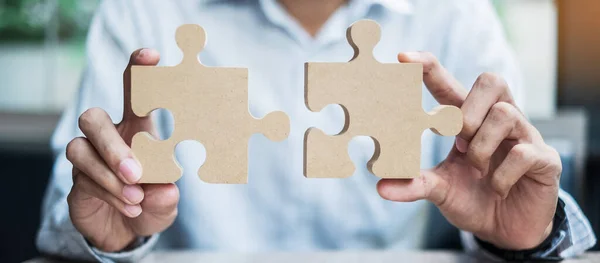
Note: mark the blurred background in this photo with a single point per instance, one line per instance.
(42, 56)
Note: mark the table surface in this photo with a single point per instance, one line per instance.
(334, 257)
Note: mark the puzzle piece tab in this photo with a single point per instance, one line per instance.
(382, 101)
(209, 105)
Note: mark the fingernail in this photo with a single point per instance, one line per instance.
(131, 170)
(142, 53)
(133, 193)
(461, 145)
(133, 210)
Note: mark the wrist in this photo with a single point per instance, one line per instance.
(112, 246)
(522, 244)
(547, 250)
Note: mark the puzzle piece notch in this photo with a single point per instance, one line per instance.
(382, 101)
(209, 105)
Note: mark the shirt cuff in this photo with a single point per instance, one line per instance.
(140, 249)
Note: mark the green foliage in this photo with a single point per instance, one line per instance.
(31, 19)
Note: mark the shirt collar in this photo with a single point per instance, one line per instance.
(398, 6)
(335, 28)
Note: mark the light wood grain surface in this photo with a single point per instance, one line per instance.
(209, 105)
(370, 92)
(329, 257)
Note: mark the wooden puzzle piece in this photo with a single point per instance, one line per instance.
(209, 105)
(382, 101)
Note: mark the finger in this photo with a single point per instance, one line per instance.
(429, 186)
(140, 57)
(160, 198)
(83, 186)
(503, 122)
(82, 154)
(102, 133)
(160, 208)
(442, 85)
(520, 159)
(487, 91)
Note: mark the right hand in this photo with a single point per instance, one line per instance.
(106, 204)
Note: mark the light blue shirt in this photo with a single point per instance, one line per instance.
(279, 209)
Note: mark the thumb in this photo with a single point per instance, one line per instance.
(131, 123)
(430, 186)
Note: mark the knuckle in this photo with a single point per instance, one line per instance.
(114, 153)
(557, 166)
(470, 126)
(502, 111)
(110, 150)
(554, 152)
(477, 155)
(431, 59)
(474, 147)
(170, 198)
(491, 80)
(555, 161)
(500, 186)
(75, 147)
(90, 116)
(428, 54)
(444, 90)
(520, 152)
(429, 184)
(484, 79)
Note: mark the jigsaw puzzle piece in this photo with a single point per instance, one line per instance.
(327, 155)
(399, 157)
(227, 149)
(445, 120)
(382, 101)
(209, 105)
(157, 158)
(275, 126)
(378, 102)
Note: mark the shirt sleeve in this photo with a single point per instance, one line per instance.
(110, 41)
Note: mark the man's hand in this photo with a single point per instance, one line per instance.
(500, 180)
(105, 203)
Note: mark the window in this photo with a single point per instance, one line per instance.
(41, 52)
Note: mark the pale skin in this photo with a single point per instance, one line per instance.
(499, 182)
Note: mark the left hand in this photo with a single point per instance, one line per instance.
(500, 180)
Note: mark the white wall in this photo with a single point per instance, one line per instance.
(37, 78)
(531, 27)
